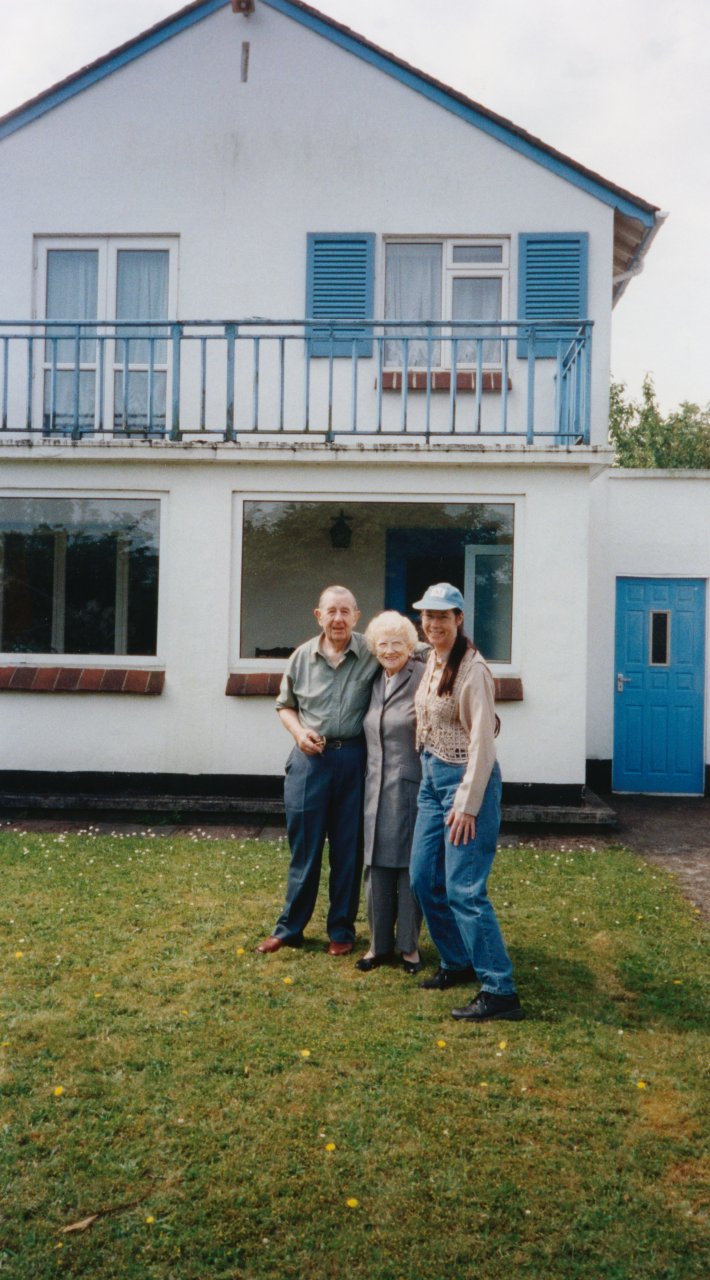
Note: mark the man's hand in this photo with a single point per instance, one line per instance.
(310, 743)
(307, 740)
(463, 827)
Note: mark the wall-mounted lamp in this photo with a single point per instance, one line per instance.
(243, 6)
(340, 532)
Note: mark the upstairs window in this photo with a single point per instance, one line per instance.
(105, 374)
(445, 280)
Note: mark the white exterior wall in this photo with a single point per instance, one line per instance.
(653, 524)
(193, 727)
(315, 140)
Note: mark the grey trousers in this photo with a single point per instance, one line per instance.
(392, 912)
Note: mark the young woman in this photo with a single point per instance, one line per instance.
(459, 812)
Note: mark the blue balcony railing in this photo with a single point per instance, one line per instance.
(331, 380)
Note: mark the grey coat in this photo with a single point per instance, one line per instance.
(393, 769)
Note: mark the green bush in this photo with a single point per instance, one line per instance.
(643, 437)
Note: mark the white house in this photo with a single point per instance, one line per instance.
(278, 310)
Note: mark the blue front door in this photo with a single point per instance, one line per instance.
(659, 682)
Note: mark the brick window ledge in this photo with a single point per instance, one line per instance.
(29, 679)
(266, 684)
(492, 380)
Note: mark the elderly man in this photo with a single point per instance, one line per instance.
(324, 695)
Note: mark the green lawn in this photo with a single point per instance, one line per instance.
(232, 1115)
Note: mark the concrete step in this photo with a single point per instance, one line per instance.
(592, 812)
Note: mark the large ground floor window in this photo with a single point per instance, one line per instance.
(78, 575)
(386, 552)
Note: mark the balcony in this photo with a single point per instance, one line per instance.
(330, 381)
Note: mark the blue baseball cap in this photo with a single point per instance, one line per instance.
(441, 596)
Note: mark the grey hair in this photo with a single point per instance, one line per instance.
(337, 591)
(391, 623)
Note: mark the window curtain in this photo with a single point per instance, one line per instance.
(476, 299)
(412, 292)
(72, 294)
(141, 293)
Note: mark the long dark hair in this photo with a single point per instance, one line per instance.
(461, 645)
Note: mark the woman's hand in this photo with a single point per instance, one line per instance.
(463, 827)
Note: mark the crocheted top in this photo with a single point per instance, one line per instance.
(460, 727)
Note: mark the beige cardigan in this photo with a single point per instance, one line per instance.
(460, 728)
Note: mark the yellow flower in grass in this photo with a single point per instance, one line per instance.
(305, 1053)
(58, 1091)
(352, 1203)
(288, 982)
(503, 1044)
(483, 1084)
(240, 951)
(677, 982)
(330, 1146)
(441, 1044)
(19, 955)
(640, 1084)
(150, 1220)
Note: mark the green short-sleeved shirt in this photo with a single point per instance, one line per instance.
(331, 701)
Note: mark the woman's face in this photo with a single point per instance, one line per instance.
(440, 627)
(392, 652)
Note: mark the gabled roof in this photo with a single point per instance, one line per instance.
(636, 220)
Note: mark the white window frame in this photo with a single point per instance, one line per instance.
(108, 247)
(240, 497)
(144, 662)
(450, 271)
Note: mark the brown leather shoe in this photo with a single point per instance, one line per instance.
(340, 948)
(271, 944)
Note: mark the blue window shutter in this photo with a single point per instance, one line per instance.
(552, 284)
(340, 279)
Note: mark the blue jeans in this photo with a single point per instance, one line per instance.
(450, 882)
(323, 798)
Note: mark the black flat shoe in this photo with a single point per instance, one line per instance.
(370, 962)
(487, 1005)
(445, 978)
(412, 966)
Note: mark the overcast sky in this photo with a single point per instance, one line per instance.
(623, 86)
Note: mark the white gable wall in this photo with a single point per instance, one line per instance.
(316, 140)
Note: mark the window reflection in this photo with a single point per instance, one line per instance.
(78, 575)
(396, 551)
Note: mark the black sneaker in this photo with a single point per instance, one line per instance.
(488, 1006)
(445, 978)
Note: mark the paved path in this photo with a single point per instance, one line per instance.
(671, 833)
(674, 834)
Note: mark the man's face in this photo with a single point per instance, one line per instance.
(337, 614)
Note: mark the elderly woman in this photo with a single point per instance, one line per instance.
(391, 786)
(459, 812)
